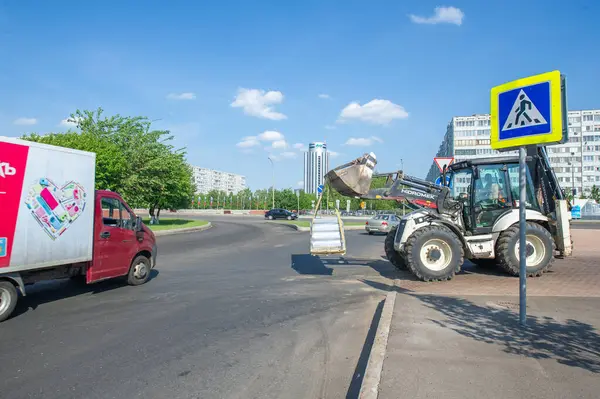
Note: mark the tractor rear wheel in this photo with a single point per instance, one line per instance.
(540, 250)
(434, 253)
(393, 256)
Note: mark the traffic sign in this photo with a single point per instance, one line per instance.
(438, 181)
(529, 111)
(320, 189)
(442, 162)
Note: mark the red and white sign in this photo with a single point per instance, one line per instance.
(443, 161)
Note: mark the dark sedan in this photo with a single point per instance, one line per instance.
(278, 213)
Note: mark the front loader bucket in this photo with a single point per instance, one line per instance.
(354, 178)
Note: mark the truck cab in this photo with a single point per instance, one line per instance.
(120, 239)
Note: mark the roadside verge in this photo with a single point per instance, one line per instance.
(169, 232)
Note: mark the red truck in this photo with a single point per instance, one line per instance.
(54, 224)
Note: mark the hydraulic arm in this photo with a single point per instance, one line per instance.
(354, 179)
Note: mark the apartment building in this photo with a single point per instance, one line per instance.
(209, 179)
(576, 162)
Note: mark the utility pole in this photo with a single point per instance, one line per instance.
(273, 182)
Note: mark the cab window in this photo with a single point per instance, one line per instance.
(491, 195)
(513, 174)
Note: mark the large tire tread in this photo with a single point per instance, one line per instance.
(410, 261)
(393, 256)
(504, 249)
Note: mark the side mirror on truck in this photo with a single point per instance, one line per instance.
(138, 224)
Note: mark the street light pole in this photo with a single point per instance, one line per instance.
(273, 183)
(573, 174)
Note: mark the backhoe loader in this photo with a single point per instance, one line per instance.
(475, 216)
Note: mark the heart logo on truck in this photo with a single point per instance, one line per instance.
(55, 208)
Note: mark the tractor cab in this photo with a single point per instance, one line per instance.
(488, 189)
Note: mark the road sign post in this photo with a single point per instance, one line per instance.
(528, 112)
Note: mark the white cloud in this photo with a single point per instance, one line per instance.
(330, 127)
(299, 146)
(259, 103)
(363, 141)
(69, 122)
(279, 144)
(324, 96)
(247, 142)
(25, 121)
(333, 154)
(181, 96)
(441, 15)
(288, 154)
(300, 183)
(380, 112)
(270, 135)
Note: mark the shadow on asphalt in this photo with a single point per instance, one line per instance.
(363, 359)
(324, 266)
(572, 343)
(56, 290)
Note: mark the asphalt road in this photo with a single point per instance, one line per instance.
(237, 311)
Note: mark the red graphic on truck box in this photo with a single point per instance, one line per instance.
(55, 208)
(13, 161)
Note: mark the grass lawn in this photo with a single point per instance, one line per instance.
(171, 224)
(306, 223)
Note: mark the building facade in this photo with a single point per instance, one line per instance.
(576, 162)
(316, 166)
(209, 179)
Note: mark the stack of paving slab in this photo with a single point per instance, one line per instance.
(326, 236)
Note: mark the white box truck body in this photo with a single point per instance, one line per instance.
(47, 205)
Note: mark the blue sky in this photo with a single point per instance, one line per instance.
(220, 74)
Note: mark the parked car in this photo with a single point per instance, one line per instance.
(279, 213)
(381, 223)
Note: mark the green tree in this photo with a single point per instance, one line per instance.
(111, 163)
(132, 159)
(595, 193)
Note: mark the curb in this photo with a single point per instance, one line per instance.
(300, 228)
(370, 384)
(182, 231)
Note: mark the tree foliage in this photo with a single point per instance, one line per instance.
(131, 158)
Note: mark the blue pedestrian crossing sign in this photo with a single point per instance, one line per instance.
(320, 189)
(529, 111)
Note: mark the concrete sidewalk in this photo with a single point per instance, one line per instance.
(473, 347)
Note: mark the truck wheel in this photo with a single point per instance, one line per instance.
(434, 253)
(393, 256)
(540, 250)
(8, 299)
(139, 272)
(289, 218)
(270, 217)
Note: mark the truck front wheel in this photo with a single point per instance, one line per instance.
(139, 272)
(8, 299)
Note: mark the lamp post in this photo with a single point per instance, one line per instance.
(573, 174)
(273, 182)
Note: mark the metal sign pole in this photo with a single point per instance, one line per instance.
(522, 237)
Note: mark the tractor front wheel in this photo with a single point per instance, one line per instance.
(393, 256)
(434, 253)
